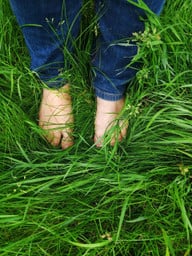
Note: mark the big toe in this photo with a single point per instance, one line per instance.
(67, 140)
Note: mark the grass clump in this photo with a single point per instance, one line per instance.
(133, 199)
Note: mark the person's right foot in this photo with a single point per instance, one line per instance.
(55, 116)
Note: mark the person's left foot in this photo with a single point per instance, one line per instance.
(107, 121)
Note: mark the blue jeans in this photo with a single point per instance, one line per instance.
(51, 27)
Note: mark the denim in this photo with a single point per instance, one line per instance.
(51, 27)
(48, 30)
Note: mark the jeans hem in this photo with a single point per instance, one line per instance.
(108, 96)
(54, 83)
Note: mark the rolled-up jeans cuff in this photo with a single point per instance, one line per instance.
(54, 84)
(108, 96)
(51, 82)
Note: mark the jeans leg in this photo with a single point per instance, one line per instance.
(119, 20)
(48, 27)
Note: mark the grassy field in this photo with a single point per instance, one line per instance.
(133, 199)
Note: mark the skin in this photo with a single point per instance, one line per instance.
(106, 119)
(56, 118)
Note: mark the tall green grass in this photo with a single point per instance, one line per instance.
(133, 199)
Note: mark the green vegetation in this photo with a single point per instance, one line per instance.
(133, 199)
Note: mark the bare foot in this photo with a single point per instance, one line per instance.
(108, 120)
(55, 116)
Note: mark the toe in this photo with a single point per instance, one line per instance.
(66, 144)
(98, 141)
(54, 138)
(124, 126)
(67, 140)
